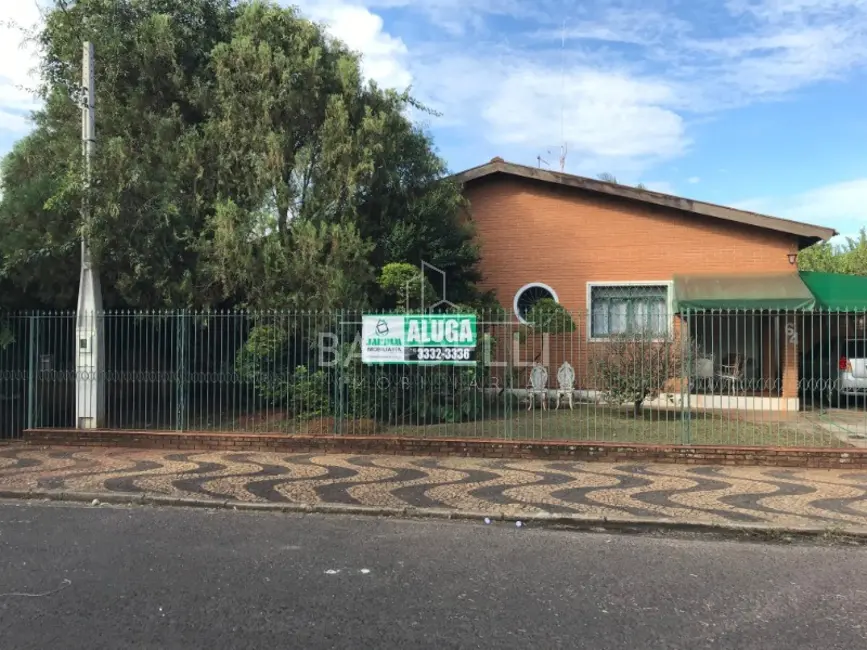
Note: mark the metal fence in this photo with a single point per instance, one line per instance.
(749, 377)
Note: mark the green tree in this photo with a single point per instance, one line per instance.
(151, 191)
(850, 257)
(241, 160)
(313, 143)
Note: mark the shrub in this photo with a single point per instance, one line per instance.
(265, 362)
(549, 317)
(631, 368)
(310, 391)
(402, 283)
(262, 361)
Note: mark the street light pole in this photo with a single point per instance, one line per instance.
(89, 335)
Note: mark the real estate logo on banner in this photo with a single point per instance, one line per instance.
(419, 339)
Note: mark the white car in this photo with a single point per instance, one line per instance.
(852, 366)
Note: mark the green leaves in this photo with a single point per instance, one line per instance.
(240, 160)
(548, 316)
(849, 258)
(309, 266)
(403, 285)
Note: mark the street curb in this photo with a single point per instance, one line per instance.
(547, 520)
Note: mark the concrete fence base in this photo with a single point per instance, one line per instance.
(443, 447)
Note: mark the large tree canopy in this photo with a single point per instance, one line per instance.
(241, 160)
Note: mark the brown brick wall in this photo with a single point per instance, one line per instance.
(533, 232)
(555, 450)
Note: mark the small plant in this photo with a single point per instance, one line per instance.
(310, 393)
(634, 367)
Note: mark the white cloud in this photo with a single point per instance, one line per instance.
(612, 120)
(693, 180)
(15, 123)
(781, 46)
(609, 116)
(635, 77)
(458, 17)
(18, 63)
(383, 56)
(842, 206)
(779, 9)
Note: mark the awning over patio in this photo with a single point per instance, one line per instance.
(768, 291)
(837, 291)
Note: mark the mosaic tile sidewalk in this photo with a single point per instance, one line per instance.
(695, 494)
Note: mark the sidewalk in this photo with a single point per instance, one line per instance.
(688, 494)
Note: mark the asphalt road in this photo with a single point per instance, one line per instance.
(102, 577)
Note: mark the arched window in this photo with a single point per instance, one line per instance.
(528, 295)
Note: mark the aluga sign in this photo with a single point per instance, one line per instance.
(423, 339)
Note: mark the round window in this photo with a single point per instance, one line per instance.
(529, 295)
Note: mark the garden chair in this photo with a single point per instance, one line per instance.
(731, 372)
(566, 384)
(538, 385)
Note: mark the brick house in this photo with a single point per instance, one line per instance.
(614, 255)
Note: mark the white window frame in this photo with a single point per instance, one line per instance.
(669, 288)
(530, 285)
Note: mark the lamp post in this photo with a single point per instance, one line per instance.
(89, 336)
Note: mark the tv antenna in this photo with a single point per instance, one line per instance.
(563, 146)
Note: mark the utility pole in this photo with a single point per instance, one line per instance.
(89, 334)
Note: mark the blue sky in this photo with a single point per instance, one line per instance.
(758, 104)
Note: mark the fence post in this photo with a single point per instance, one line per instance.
(338, 380)
(181, 383)
(686, 348)
(31, 371)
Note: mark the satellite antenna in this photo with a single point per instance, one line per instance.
(542, 161)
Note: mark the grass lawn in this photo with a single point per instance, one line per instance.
(585, 423)
(599, 424)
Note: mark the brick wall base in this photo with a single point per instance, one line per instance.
(523, 449)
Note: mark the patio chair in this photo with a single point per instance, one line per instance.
(704, 371)
(565, 383)
(731, 372)
(538, 385)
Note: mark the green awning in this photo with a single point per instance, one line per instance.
(837, 291)
(769, 291)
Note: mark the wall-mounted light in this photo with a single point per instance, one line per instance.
(793, 258)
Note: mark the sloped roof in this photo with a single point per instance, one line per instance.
(806, 233)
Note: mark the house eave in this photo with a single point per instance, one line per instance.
(806, 234)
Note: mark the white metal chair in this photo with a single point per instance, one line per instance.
(538, 385)
(566, 383)
(731, 372)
